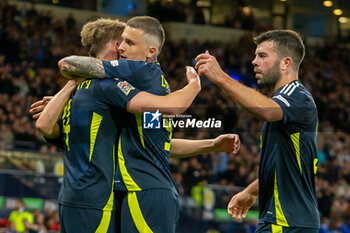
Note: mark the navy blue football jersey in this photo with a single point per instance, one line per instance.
(89, 130)
(288, 162)
(143, 154)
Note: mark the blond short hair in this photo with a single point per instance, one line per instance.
(96, 34)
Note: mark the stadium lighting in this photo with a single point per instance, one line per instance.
(343, 20)
(283, 0)
(337, 12)
(327, 3)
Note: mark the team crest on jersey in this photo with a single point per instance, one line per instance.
(125, 87)
(114, 63)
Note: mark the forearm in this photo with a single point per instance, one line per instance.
(253, 188)
(183, 148)
(173, 103)
(256, 103)
(47, 122)
(181, 99)
(85, 67)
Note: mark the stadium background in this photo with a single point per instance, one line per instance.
(35, 35)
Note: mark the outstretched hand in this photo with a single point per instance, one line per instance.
(227, 142)
(208, 65)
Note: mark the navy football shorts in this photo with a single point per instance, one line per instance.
(149, 211)
(75, 219)
(272, 228)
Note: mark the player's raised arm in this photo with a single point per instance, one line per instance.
(182, 148)
(47, 122)
(173, 103)
(256, 103)
(80, 66)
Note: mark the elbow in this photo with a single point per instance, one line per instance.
(265, 116)
(60, 63)
(43, 128)
(63, 62)
(270, 115)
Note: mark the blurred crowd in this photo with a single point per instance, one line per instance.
(240, 15)
(33, 42)
(21, 220)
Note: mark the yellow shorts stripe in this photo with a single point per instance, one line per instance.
(104, 224)
(276, 228)
(136, 214)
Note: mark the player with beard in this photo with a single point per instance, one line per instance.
(288, 163)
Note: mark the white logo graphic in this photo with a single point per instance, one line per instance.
(151, 120)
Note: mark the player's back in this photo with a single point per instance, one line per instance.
(90, 129)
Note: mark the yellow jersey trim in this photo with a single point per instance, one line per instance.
(95, 125)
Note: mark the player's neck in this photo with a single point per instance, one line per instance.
(286, 79)
(151, 59)
(107, 55)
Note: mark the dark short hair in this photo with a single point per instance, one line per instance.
(289, 44)
(149, 25)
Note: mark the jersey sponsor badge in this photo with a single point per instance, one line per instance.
(125, 87)
(114, 63)
(151, 120)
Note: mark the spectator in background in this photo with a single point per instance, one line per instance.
(39, 224)
(6, 137)
(70, 22)
(20, 217)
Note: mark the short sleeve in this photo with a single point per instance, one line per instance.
(118, 92)
(122, 69)
(295, 103)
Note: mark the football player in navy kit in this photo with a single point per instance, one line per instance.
(288, 163)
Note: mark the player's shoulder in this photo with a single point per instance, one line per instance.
(294, 93)
(295, 89)
(131, 63)
(105, 83)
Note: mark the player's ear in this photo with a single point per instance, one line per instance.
(286, 63)
(152, 50)
(116, 44)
